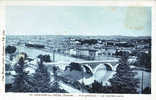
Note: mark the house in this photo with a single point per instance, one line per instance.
(106, 51)
(86, 53)
(110, 51)
(72, 52)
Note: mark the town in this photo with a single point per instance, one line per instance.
(79, 62)
(91, 47)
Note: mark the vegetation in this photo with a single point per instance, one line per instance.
(120, 53)
(42, 81)
(74, 66)
(21, 79)
(10, 49)
(124, 80)
(147, 90)
(45, 58)
(39, 82)
(97, 87)
(144, 59)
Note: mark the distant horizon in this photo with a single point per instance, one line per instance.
(76, 35)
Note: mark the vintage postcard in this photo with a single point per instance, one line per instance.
(78, 50)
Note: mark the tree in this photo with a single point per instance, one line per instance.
(42, 80)
(39, 82)
(74, 66)
(124, 80)
(45, 58)
(20, 84)
(144, 59)
(10, 50)
(147, 90)
(97, 87)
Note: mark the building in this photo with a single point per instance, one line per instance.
(72, 52)
(88, 54)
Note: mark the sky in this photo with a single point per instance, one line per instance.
(78, 20)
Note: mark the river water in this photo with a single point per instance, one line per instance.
(31, 52)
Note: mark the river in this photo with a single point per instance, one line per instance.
(31, 52)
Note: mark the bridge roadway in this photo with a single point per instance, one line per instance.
(84, 62)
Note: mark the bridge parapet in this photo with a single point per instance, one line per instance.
(84, 62)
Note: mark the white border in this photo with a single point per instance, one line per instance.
(25, 96)
(2, 28)
(78, 3)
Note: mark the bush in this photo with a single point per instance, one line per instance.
(45, 58)
(97, 87)
(10, 49)
(147, 90)
(75, 66)
(144, 59)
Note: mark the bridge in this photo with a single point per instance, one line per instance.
(93, 66)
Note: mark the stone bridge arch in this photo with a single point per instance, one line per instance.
(115, 67)
(109, 66)
(89, 67)
(105, 66)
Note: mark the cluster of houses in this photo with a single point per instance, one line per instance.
(90, 53)
(107, 48)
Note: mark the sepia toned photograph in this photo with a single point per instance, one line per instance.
(78, 49)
